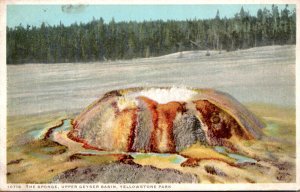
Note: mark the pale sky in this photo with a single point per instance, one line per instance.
(53, 14)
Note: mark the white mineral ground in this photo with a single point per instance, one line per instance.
(257, 75)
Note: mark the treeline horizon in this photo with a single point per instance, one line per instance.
(100, 41)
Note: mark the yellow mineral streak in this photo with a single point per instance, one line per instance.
(122, 128)
(199, 151)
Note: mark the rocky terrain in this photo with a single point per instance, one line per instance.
(124, 173)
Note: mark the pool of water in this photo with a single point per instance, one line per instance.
(37, 134)
(173, 158)
(241, 158)
(238, 157)
(220, 149)
(65, 126)
(40, 133)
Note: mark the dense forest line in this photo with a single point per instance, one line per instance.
(98, 41)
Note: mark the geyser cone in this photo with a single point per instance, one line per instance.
(164, 120)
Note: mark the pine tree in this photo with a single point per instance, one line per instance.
(98, 41)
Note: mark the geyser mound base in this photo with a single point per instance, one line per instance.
(164, 120)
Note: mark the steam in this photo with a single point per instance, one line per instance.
(163, 95)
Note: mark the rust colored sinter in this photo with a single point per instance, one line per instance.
(163, 115)
(164, 139)
(123, 129)
(145, 125)
(219, 123)
(152, 105)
